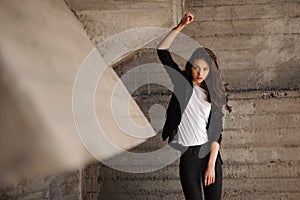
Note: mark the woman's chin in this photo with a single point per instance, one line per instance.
(198, 81)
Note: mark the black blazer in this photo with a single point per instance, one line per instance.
(183, 88)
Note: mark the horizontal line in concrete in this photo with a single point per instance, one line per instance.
(260, 106)
(266, 185)
(267, 162)
(244, 42)
(263, 122)
(116, 5)
(247, 19)
(281, 9)
(266, 170)
(234, 3)
(247, 94)
(234, 95)
(261, 154)
(255, 98)
(242, 34)
(284, 137)
(230, 171)
(148, 186)
(246, 184)
(240, 194)
(167, 173)
(280, 25)
(246, 114)
(125, 195)
(260, 78)
(252, 66)
(216, 4)
(265, 178)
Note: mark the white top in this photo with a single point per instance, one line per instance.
(192, 127)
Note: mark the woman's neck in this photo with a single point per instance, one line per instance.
(199, 84)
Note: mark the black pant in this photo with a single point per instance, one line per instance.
(192, 169)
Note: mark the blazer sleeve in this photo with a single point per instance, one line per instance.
(169, 64)
(216, 125)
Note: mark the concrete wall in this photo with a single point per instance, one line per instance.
(260, 146)
(104, 18)
(66, 185)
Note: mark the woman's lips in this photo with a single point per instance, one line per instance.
(199, 78)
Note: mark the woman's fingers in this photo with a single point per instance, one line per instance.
(209, 180)
(212, 180)
(206, 180)
(187, 19)
(190, 19)
(189, 16)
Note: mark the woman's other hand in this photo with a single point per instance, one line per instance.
(209, 176)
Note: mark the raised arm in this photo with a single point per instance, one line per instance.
(163, 47)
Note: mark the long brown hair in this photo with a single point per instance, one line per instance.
(214, 81)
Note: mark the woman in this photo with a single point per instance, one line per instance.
(194, 117)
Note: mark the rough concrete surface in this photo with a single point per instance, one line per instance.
(102, 19)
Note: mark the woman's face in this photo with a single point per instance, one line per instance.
(200, 71)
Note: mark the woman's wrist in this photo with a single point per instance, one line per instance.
(211, 164)
(179, 27)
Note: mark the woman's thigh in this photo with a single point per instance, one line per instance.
(190, 174)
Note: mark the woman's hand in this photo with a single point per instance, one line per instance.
(187, 19)
(209, 175)
(168, 40)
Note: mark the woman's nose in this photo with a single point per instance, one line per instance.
(199, 72)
